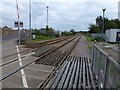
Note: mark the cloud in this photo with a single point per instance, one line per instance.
(63, 14)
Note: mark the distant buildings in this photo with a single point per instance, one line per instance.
(43, 30)
(119, 10)
(5, 28)
(55, 32)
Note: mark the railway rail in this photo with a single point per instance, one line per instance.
(55, 58)
(52, 74)
(8, 74)
(41, 45)
(38, 45)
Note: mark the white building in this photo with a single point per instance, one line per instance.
(113, 35)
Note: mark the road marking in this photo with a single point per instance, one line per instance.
(24, 80)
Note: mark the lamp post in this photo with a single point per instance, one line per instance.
(47, 15)
(47, 28)
(103, 21)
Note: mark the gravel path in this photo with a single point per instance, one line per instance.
(110, 51)
(81, 49)
(55, 58)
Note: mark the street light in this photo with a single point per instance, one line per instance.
(47, 15)
(47, 21)
(103, 21)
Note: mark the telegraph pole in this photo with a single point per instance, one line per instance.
(18, 20)
(30, 17)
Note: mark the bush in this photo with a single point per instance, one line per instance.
(98, 39)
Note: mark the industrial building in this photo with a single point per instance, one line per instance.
(113, 35)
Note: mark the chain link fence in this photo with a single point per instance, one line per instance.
(106, 69)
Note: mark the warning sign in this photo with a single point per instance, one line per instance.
(16, 24)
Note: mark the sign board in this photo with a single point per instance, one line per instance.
(16, 24)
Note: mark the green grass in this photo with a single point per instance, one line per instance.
(90, 47)
(42, 37)
(89, 37)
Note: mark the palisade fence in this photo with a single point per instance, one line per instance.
(6, 33)
(106, 69)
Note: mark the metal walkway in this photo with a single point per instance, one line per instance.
(75, 72)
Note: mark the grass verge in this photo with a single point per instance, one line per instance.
(42, 37)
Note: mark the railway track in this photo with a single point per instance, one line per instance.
(37, 60)
(72, 72)
(41, 45)
(55, 58)
(52, 74)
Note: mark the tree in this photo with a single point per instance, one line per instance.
(99, 21)
(65, 33)
(116, 22)
(47, 29)
(108, 24)
(72, 31)
(94, 29)
(51, 30)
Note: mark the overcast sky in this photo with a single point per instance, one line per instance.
(63, 14)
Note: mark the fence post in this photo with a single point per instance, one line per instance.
(99, 66)
(106, 74)
(93, 51)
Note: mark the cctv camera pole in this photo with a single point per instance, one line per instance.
(103, 22)
(18, 21)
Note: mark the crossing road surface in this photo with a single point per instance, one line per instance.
(8, 48)
(31, 76)
(35, 74)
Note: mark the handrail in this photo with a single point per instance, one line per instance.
(109, 57)
(105, 68)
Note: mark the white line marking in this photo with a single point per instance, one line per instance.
(24, 80)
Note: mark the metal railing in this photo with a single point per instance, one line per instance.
(106, 69)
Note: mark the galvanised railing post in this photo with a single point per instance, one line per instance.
(99, 67)
(106, 74)
(93, 57)
(94, 63)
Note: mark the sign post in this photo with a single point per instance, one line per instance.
(18, 24)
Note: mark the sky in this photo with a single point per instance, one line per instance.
(63, 14)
